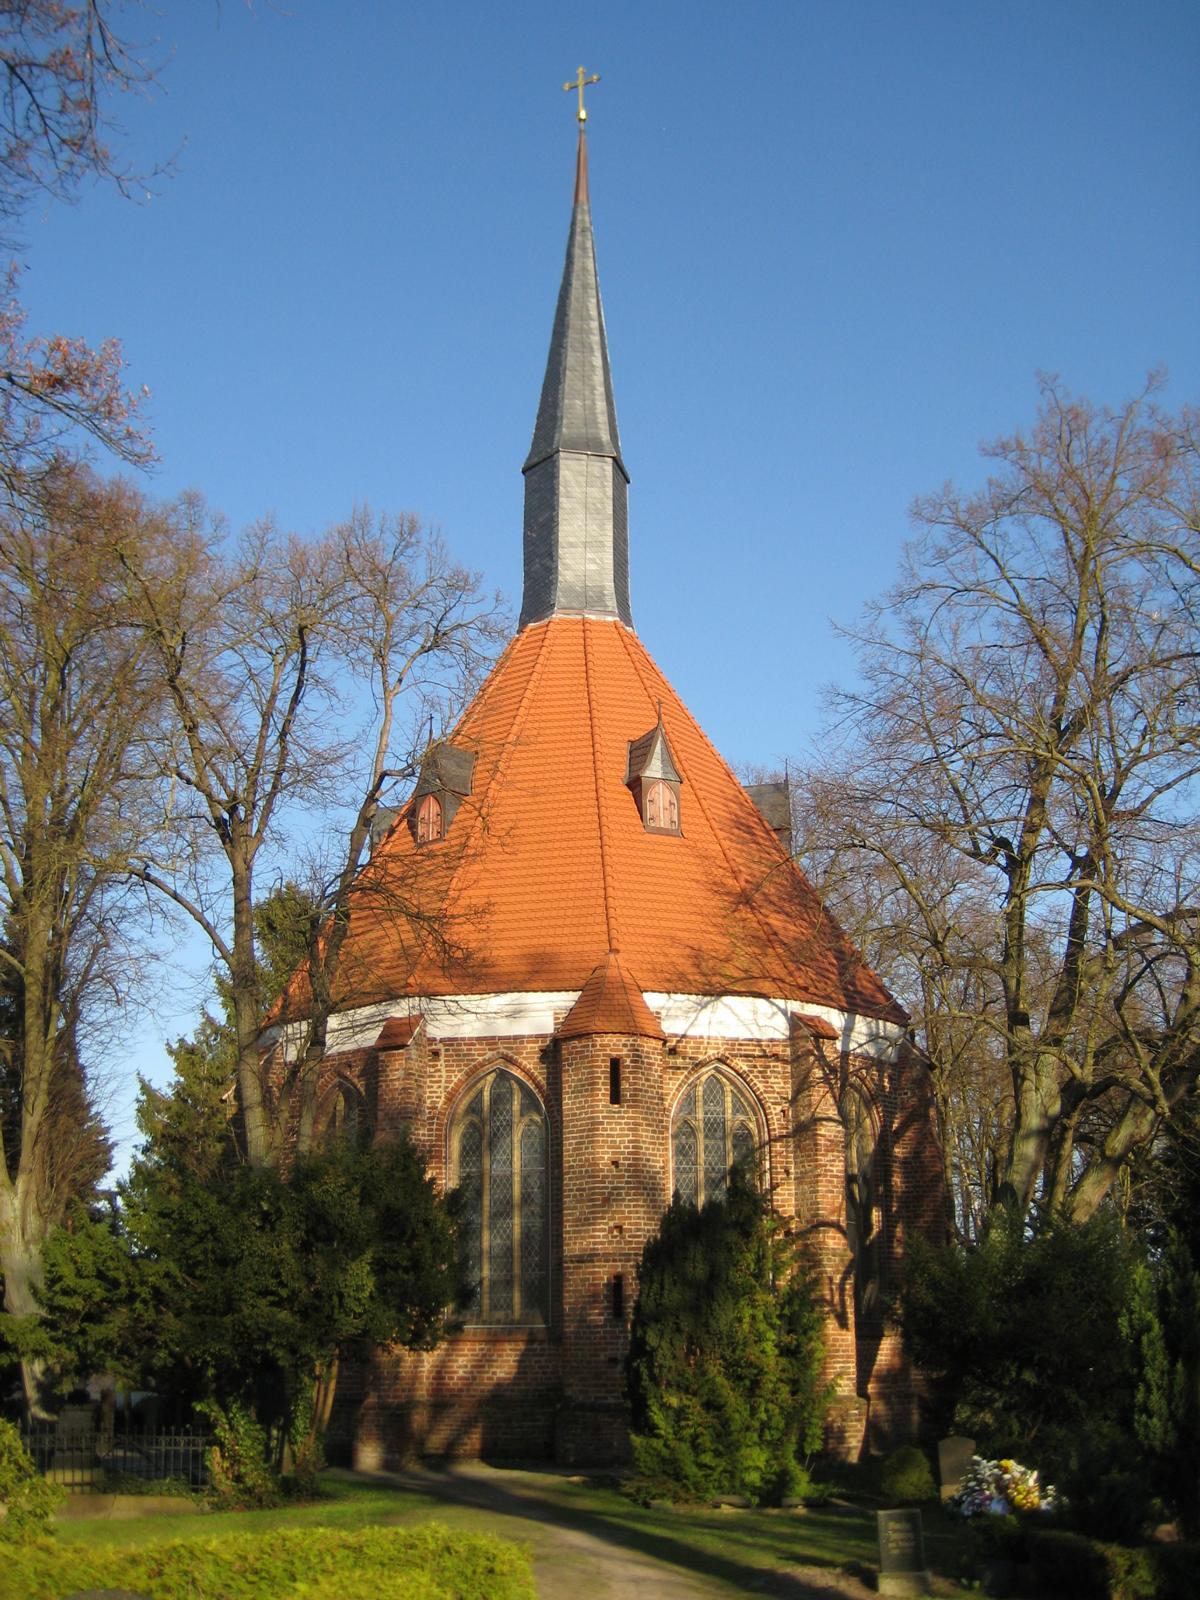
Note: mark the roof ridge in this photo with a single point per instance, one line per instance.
(610, 898)
(789, 965)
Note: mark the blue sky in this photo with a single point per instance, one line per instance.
(836, 243)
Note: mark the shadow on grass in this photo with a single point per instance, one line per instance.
(749, 1551)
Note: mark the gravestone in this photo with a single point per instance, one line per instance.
(902, 1569)
(954, 1458)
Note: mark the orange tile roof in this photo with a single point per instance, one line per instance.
(610, 1002)
(819, 1027)
(397, 1033)
(547, 867)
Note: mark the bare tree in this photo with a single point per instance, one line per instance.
(283, 661)
(1016, 785)
(413, 627)
(78, 702)
(62, 67)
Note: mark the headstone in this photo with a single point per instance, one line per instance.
(954, 1457)
(74, 1438)
(902, 1569)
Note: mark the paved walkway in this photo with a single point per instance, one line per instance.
(584, 1555)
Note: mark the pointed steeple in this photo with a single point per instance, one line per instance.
(576, 520)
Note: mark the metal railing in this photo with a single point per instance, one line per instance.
(89, 1459)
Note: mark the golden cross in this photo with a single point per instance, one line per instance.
(580, 82)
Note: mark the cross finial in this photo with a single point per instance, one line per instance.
(579, 82)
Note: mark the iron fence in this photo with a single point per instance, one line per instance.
(89, 1459)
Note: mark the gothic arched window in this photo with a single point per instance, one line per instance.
(499, 1152)
(429, 820)
(714, 1129)
(862, 1209)
(662, 807)
(346, 1118)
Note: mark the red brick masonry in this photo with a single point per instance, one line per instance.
(556, 1392)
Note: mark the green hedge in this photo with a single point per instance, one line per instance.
(1079, 1568)
(424, 1563)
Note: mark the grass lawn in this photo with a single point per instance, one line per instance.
(727, 1550)
(348, 1505)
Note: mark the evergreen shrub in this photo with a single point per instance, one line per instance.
(27, 1501)
(907, 1476)
(724, 1365)
(1079, 1568)
(425, 1563)
(240, 1477)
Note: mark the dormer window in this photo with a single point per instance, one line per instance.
(653, 779)
(445, 782)
(429, 819)
(662, 807)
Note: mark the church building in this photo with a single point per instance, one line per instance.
(600, 980)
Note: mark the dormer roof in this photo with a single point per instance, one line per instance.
(446, 768)
(650, 756)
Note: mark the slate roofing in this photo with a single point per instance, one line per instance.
(576, 527)
(547, 866)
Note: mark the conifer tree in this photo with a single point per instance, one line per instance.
(724, 1366)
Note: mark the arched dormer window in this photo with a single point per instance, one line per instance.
(714, 1129)
(429, 819)
(346, 1119)
(653, 779)
(662, 807)
(499, 1161)
(445, 781)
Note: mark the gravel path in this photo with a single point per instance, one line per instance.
(579, 1556)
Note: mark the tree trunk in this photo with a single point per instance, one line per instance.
(243, 976)
(326, 1388)
(1038, 1103)
(21, 1265)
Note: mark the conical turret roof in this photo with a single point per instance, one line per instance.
(547, 865)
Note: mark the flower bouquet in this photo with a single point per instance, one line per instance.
(1002, 1488)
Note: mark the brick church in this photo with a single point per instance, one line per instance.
(611, 982)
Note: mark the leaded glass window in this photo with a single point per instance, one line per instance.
(499, 1156)
(862, 1210)
(714, 1130)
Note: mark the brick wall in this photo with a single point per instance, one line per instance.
(558, 1390)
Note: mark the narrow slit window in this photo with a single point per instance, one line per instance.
(614, 1080)
(618, 1297)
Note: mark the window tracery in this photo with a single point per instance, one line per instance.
(714, 1129)
(499, 1150)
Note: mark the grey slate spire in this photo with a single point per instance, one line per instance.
(576, 521)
